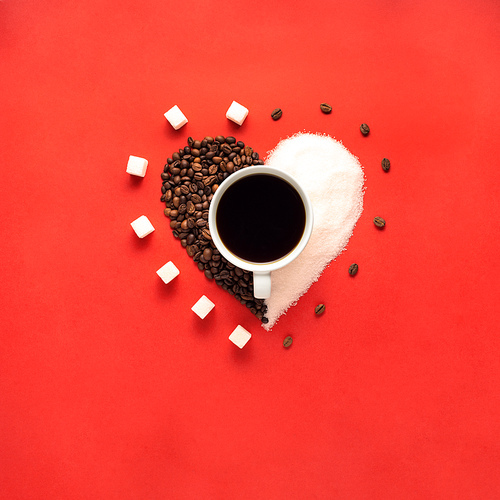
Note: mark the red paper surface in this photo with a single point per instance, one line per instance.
(112, 388)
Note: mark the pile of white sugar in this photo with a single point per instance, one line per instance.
(333, 178)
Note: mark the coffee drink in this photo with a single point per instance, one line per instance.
(261, 218)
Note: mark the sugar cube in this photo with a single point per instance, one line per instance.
(168, 272)
(142, 226)
(203, 306)
(176, 117)
(240, 336)
(237, 113)
(137, 166)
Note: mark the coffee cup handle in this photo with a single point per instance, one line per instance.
(261, 285)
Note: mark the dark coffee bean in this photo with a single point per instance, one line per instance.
(276, 114)
(208, 274)
(207, 254)
(230, 139)
(353, 269)
(365, 129)
(220, 139)
(379, 222)
(319, 309)
(209, 139)
(216, 159)
(264, 320)
(386, 164)
(226, 149)
(287, 342)
(190, 142)
(326, 108)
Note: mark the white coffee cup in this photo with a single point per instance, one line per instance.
(261, 270)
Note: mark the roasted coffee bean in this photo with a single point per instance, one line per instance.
(365, 129)
(353, 269)
(276, 114)
(208, 181)
(379, 222)
(326, 108)
(220, 138)
(287, 342)
(190, 142)
(319, 309)
(386, 164)
(208, 274)
(226, 149)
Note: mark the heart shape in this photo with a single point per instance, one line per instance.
(328, 172)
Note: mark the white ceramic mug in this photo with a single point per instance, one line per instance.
(261, 270)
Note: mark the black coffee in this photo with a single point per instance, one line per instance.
(261, 218)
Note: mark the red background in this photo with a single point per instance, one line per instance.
(112, 388)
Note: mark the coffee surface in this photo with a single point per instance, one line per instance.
(261, 218)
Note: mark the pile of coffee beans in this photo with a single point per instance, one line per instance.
(190, 178)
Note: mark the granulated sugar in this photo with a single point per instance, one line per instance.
(333, 178)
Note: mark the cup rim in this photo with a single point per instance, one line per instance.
(256, 266)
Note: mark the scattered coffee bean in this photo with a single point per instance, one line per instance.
(386, 164)
(353, 269)
(287, 342)
(326, 108)
(276, 114)
(379, 222)
(319, 309)
(365, 129)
